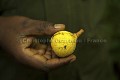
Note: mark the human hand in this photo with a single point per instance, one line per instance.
(17, 37)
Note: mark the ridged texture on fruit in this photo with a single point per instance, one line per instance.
(63, 43)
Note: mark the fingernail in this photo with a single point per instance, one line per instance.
(59, 26)
(72, 60)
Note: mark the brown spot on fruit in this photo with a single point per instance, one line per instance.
(65, 47)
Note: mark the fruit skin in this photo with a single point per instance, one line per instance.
(63, 43)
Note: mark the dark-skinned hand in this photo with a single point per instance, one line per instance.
(18, 37)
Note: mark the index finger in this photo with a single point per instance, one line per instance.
(57, 62)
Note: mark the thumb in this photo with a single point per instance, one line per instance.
(36, 27)
(53, 29)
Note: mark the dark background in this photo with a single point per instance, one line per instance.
(95, 60)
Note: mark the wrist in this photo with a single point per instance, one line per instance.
(8, 25)
(5, 27)
(1, 28)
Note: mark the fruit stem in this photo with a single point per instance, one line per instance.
(79, 32)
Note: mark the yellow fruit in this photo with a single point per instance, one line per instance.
(63, 43)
